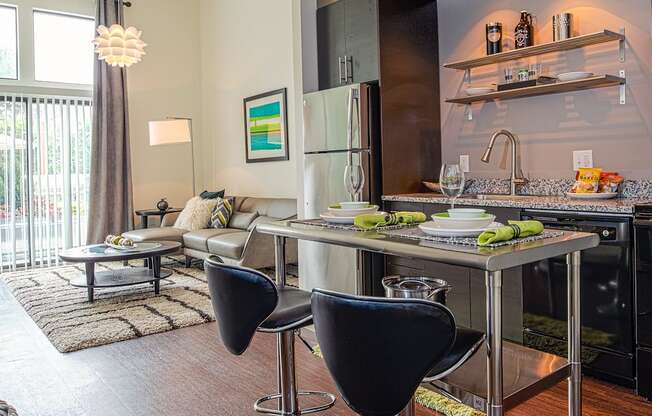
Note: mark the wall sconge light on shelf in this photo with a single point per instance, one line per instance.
(118, 46)
(173, 131)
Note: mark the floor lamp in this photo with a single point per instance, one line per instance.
(171, 131)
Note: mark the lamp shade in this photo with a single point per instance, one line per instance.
(169, 132)
(118, 46)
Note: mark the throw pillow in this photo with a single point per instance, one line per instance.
(196, 214)
(222, 212)
(212, 195)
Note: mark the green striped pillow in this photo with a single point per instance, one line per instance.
(222, 212)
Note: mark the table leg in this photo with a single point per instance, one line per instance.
(157, 273)
(494, 342)
(144, 221)
(279, 251)
(573, 265)
(90, 280)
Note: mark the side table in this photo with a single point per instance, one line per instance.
(144, 214)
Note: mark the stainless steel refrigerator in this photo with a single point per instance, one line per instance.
(341, 126)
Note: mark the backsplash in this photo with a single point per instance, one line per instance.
(640, 188)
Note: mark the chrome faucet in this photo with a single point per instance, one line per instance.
(516, 178)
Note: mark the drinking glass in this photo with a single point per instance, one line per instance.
(451, 181)
(354, 180)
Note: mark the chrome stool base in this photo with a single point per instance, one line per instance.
(260, 409)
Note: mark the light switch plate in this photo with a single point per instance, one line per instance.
(464, 163)
(582, 159)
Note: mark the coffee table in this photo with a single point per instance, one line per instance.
(96, 253)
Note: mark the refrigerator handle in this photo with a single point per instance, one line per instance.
(353, 107)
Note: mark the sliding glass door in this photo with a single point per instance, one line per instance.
(44, 175)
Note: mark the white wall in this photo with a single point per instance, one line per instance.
(166, 83)
(246, 49)
(551, 127)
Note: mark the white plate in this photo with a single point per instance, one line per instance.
(599, 195)
(463, 223)
(432, 229)
(352, 212)
(479, 90)
(574, 76)
(335, 219)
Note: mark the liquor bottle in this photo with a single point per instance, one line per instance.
(524, 32)
(494, 38)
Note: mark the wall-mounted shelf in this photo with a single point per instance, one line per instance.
(558, 46)
(556, 88)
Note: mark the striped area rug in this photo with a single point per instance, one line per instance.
(71, 323)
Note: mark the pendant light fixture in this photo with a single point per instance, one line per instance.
(118, 46)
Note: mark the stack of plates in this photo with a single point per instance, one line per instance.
(339, 214)
(442, 225)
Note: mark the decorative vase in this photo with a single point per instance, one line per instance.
(162, 205)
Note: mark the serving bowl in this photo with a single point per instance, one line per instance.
(443, 220)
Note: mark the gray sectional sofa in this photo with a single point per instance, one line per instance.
(239, 244)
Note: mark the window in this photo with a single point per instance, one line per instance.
(63, 48)
(8, 43)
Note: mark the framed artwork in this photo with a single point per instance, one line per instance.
(266, 129)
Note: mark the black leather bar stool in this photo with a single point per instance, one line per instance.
(379, 350)
(246, 301)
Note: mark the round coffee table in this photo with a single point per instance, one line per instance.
(96, 253)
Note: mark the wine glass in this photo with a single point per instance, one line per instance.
(354, 180)
(451, 181)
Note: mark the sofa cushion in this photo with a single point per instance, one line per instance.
(196, 214)
(156, 234)
(228, 245)
(279, 208)
(212, 195)
(242, 220)
(197, 239)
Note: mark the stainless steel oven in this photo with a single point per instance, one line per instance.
(607, 315)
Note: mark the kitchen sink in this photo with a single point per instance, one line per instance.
(500, 197)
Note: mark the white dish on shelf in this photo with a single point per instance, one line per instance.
(336, 219)
(442, 220)
(435, 230)
(574, 76)
(479, 90)
(466, 212)
(352, 212)
(598, 195)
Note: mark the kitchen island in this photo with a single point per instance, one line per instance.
(526, 372)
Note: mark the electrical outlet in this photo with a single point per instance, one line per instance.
(582, 159)
(464, 163)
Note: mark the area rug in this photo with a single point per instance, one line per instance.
(71, 323)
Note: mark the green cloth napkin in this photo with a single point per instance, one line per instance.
(370, 221)
(515, 229)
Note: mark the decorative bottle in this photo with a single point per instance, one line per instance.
(524, 32)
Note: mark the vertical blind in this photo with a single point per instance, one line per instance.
(44, 175)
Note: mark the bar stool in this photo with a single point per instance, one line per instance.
(379, 350)
(246, 301)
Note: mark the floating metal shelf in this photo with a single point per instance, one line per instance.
(544, 48)
(599, 81)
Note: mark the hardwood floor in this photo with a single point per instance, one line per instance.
(188, 372)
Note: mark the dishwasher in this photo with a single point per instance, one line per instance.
(606, 296)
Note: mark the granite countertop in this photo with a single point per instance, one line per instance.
(558, 203)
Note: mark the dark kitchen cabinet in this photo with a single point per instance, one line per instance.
(467, 299)
(347, 43)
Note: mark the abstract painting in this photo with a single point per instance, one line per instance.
(266, 130)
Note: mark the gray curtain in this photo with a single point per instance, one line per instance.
(111, 199)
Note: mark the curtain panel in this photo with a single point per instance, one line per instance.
(111, 199)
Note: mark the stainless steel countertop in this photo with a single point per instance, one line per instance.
(557, 203)
(490, 259)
